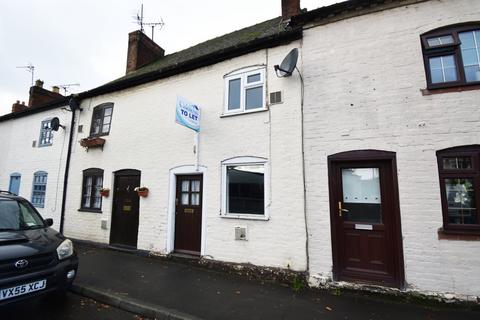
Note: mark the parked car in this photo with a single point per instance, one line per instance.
(34, 258)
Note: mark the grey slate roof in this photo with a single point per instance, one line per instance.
(231, 40)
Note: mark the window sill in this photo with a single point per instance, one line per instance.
(428, 92)
(458, 235)
(90, 210)
(231, 114)
(45, 145)
(245, 217)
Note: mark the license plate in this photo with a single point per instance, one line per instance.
(22, 289)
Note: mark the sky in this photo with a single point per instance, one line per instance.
(85, 42)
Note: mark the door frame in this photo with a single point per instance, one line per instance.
(174, 172)
(359, 156)
(123, 172)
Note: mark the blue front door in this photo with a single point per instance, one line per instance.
(14, 184)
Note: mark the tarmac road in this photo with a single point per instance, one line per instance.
(72, 307)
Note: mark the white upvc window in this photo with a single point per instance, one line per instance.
(245, 91)
(245, 188)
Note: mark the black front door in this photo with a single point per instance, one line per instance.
(124, 229)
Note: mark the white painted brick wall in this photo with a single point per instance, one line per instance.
(144, 136)
(362, 81)
(18, 155)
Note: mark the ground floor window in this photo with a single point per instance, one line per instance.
(39, 188)
(244, 187)
(459, 173)
(92, 184)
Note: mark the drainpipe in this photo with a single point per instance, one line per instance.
(73, 103)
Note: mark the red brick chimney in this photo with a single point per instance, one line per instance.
(17, 106)
(39, 95)
(141, 50)
(290, 8)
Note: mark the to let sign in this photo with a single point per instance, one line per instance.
(187, 114)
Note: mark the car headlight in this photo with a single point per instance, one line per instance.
(65, 249)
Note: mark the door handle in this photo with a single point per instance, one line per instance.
(340, 209)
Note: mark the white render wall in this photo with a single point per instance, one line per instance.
(18, 155)
(362, 82)
(144, 136)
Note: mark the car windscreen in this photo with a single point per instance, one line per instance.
(15, 215)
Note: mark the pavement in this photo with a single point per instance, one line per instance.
(165, 289)
(71, 307)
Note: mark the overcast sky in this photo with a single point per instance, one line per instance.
(86, 41)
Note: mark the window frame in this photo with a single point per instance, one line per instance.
(246, 161)
(101, 108)
(243, 75)
(94, 173)
(472, 151)
(447, 49)
(37, 174)
(48, 131)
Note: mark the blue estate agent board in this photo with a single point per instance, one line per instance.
(187, 114)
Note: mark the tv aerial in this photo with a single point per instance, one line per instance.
(66, 87)
(139, 20)
(30, 68)
(288, 65)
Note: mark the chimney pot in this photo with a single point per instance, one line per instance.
(290, 8)
(56, 89)
(18, 101)
(23, 102)
(39, 83)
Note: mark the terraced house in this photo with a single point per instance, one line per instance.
(392, 128)
(33, 159)
(359, 166)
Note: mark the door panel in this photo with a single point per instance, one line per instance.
(363, 222)
(188, 214)
(125, 215)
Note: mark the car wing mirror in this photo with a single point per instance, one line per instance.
(49, 222)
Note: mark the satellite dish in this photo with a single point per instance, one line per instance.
(285, 69)
(55, 124)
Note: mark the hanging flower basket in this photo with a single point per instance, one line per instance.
(105, 192)
(142, 191)
(94, 142)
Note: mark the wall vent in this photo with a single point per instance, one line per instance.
(34, 143)
(275, 97)
(240, 233)
(80, 128)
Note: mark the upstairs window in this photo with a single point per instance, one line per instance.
(245, 91)
(459, 172)
(92, 184)
(39, 188)
(452, 56)
(46, 134)
(101, 120)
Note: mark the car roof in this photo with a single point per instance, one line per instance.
(9, 195)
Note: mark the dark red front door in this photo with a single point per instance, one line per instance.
(365, 232)
(188, 214)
